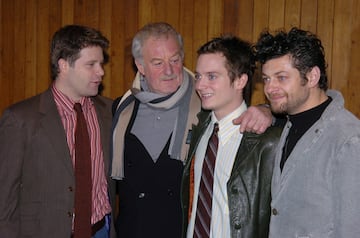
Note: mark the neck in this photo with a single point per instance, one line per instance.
(317, 96)
(226, 110)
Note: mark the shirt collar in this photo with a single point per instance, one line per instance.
(226, 126)
(66, 103)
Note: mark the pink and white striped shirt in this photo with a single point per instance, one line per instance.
(100, 202)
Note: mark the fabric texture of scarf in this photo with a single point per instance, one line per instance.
(187, 103)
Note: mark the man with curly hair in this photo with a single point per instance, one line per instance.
(316, 176)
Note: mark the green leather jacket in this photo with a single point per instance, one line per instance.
(248, 188)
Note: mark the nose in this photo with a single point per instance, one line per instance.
(270, 85)
(168, 69)
(100, 70)
(200, 84)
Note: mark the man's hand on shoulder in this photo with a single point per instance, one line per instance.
(255, 119)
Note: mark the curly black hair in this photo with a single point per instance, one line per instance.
(304, 47)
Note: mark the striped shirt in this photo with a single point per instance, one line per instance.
(65, 106)
(229, 142)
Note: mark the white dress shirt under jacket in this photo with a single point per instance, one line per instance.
(229, 141)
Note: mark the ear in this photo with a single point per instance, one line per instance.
(140, 67)
(63, 65)
(240, 82)
(313, 76)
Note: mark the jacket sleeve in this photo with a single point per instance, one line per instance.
(12, 148)
(345, 186)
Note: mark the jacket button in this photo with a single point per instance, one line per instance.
(237, 225)
(274, 211)
(70, 214)
(234, 190)
(170, 192)
(70, 188)
(141, 195)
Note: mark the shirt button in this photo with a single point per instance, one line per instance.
(157, 118)
(274, 211)
(141, 195)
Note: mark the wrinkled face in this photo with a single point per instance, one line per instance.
(214, 86)
(83, 78)
(284, 87)
(162, 64)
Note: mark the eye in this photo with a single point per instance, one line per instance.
(175, 60)
(157, 63)
(281, 78)
(211, 76)
(265, 79)
(197, 76)
(90, 64)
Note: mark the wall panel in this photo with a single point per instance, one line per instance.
(7, 53)
(326, 18)
(276, 14)
(26, 28)
(18, 50)
(30, 53)
(353, 95)
(309, 14)
(186, 28)
(292, 13)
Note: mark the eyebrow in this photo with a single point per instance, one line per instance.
(207, 73)
(94, 61)
(276, 73)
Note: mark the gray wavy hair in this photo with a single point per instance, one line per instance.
(157, 30)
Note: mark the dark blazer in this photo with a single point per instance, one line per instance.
(248, 187)
(36, 171)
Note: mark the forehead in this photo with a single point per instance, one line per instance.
(160, 46)
(210, 62)
(279, 64)
(91, 52)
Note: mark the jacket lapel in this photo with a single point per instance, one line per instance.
(104, 118)
(50, 121)
(247, 145)
(198, 131)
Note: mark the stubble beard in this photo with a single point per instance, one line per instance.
(281, 109)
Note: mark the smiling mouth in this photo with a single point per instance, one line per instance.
(206, 95)
(276, 97)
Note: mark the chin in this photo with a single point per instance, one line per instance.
(278, 109)
(206, 107)
(93, 93)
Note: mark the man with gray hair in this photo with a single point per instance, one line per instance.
(151, 133)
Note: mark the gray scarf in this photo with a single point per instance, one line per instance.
(187, 105)
(173, 111)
